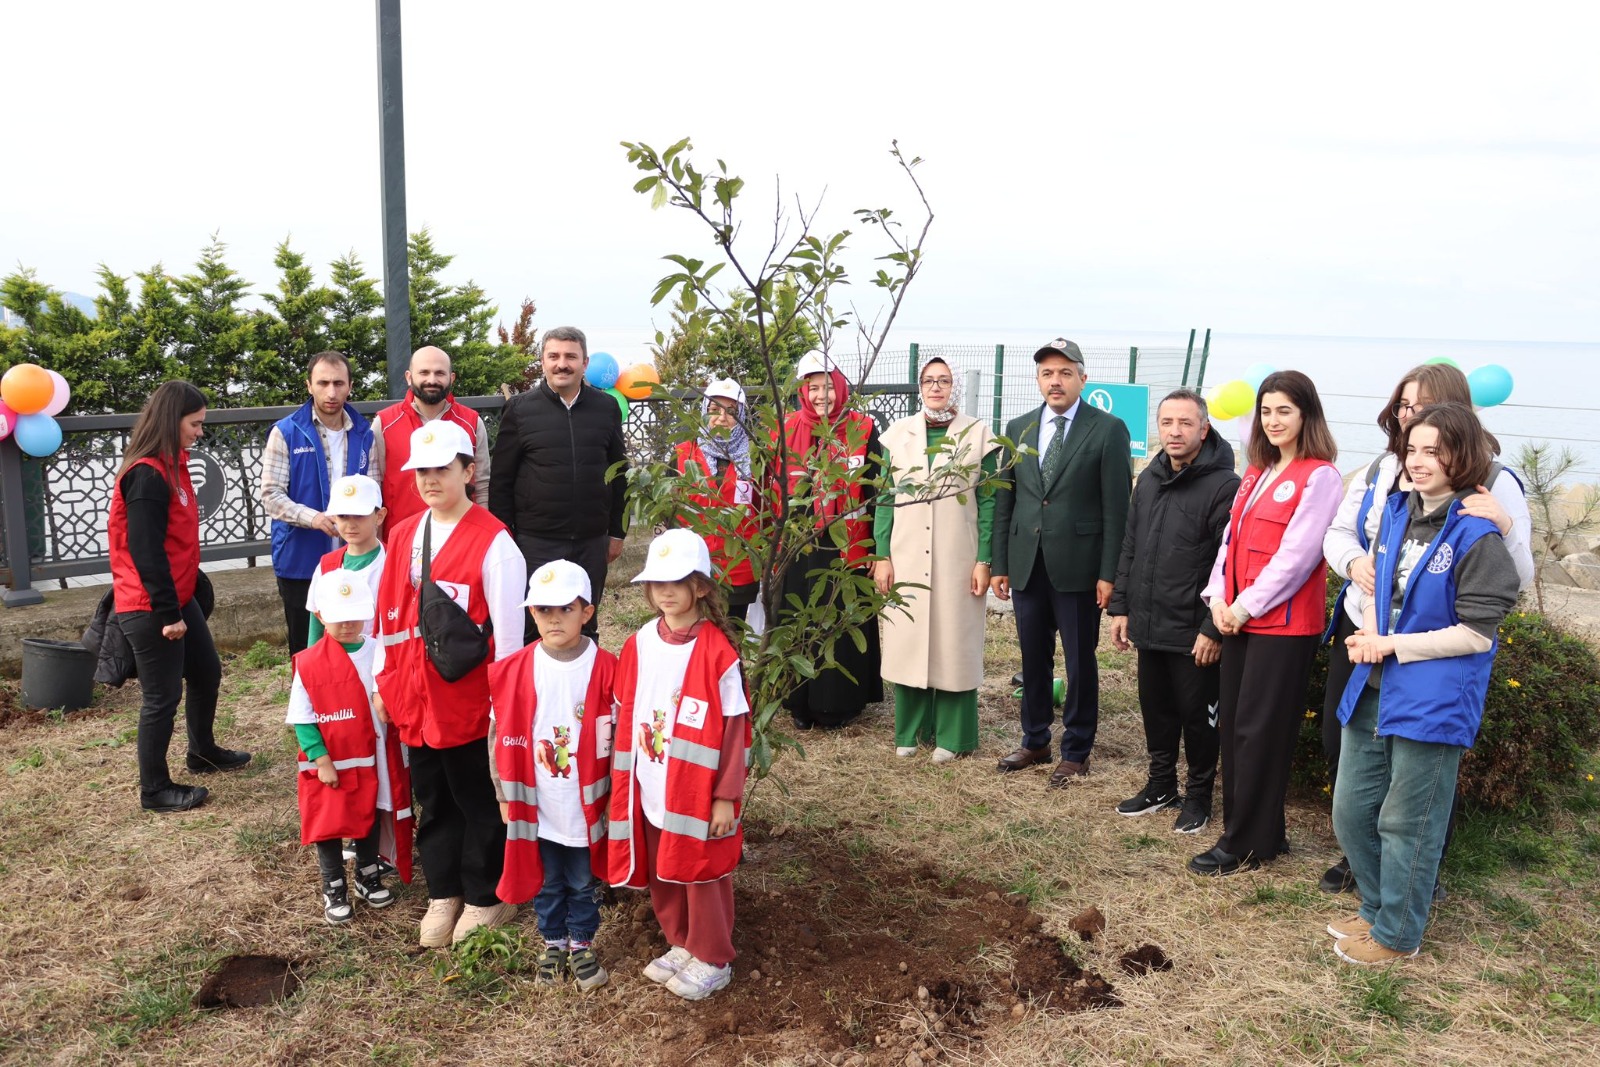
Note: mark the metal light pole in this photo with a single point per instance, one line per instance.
(392, 157)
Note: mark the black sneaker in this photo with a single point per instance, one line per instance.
(551, 966)
(1338, 879)
(176, 798)
(223, 759)
(1194, 816)
(335, 902)
(585, 967)
(370, 888)
(1148, 800)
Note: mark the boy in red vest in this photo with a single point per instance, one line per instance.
(355, 503)
(353, 782)
(553, 718)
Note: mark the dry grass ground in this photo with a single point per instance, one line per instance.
(113, 917)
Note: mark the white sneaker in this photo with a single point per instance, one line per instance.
(944, 755)
(439, 920)
(472, 916)
(698, 980)
(662, 969)
(904, 750)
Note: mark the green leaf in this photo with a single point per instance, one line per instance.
(649, 182)
(659, 199)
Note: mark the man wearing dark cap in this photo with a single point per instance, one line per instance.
(1059, 518)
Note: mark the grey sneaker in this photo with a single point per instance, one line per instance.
(551, 966)
(698, 980)
(585, 968)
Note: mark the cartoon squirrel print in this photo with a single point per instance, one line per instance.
(556, 759)
(652, 736)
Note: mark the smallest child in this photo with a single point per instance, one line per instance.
(355, 502)
(551, 741)
(351, 770)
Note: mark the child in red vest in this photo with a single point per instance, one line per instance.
(353, 777)
(553, 720)
(355, 503)
(677, 777)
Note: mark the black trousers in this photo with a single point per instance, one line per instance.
(587, 552)
(164, 666)
(1261, 706)
(1178, 701)
(1042, 611)
(459, 833)
(330, 854)
(837, 694)
(295, 616)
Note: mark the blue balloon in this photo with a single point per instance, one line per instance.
(603, 370)
(37, 435)
(1257, 373)
(1490, 385)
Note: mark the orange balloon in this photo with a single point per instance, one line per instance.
(635, 382)
(27, 388)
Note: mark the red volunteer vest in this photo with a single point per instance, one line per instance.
(344, 718)
(1253, 538)
(426, 709)
(396, 422)
(857, 429)
(687, 853)
(182, 543)
(520, 751)
(689, 452)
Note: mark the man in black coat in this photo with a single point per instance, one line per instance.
(1178, 517)
(547, 478)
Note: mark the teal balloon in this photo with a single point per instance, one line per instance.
(1446, 360)
(603, 371)
(37, 435)
(1490, 385)
(622, 401)
(1257, 373)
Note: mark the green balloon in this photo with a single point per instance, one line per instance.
(1446, 360)
(622, 401)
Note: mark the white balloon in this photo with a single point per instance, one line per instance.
(58, 399)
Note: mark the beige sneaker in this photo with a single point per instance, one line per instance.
(1354, 926)
(439, 920)
(1363, 951)
(472, 917)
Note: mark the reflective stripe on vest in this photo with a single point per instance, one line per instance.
(343, 764)
(517, 791)
(687, 825)
(693, 752)
(622, 761)
(400, 638)
(620, 830)
(597, 830)
(522, 830)
(595, 790)
(402, 813)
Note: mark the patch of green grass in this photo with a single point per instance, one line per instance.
(262, 655)
(485, 962)
(1036, 885)
(858, 846)
(1579, 994)
(1513, 911)
(125, 736)
(155, 993)
(1142, 843)
(1293, 895)
(263, 842)
(33, 760)
(1379, 994)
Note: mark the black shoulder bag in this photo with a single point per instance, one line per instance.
(454, 642)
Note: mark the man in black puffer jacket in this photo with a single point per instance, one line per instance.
(547, 476)
(1175, 523)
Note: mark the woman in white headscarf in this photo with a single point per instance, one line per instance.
(935, 530)
(722, 489)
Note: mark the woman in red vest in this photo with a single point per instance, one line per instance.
(827, 442)
(718, 466)
(444, 724)
(1268, 594)
(154, 536)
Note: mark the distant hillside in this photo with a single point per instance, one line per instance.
(83, 303)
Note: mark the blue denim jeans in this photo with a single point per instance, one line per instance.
(568, 905)
(1391, 810)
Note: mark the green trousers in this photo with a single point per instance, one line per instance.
(948, 720)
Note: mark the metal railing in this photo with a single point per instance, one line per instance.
(53, 511)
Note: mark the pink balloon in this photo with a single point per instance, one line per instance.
(62, 394)
(8, 420)
(1247, 427)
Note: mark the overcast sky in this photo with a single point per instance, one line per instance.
(1394, 169)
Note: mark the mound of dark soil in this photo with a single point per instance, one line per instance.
(248, 982)
(849, 957)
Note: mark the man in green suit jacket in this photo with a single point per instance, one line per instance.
(1058, 524)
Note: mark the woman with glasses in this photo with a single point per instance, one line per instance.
(1354, 528)
(934, 529)
(721, 492)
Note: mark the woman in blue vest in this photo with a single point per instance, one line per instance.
(1444, 582)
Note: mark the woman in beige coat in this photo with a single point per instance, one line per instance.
(935, 529)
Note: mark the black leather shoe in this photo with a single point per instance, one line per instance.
(1016, 680)
(1221, 864)
(176, 798)
(1338, 879)
(223, 759)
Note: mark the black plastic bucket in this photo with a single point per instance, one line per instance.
(56, 674)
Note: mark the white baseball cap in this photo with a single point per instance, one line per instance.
(437, 444)
(344, 596)
(813, 362)
(675, 555)
(728, 389)
(557, 584)
(354, 494)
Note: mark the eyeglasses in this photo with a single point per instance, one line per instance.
(1401, 409)
(938, 383)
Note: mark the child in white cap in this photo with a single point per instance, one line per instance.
(353, 778)
(677, 776)
(553, 722)
(356, 505)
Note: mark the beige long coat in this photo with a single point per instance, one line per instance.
(939, 644)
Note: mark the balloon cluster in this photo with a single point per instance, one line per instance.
(30, 399)
(621, 384)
